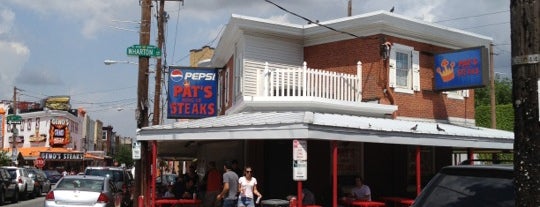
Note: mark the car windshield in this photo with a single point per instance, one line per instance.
(453, 190)
(80, 184)
(13, 173)
(115, 175)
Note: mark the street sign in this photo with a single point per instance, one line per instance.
(299, 149)
(136, 150)
(299, 160)
(144, 50)
(14, 119)
(39, 162)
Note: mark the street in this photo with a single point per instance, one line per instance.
(28, 203)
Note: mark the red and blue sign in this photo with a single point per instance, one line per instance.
(192, 92)
(461, 69)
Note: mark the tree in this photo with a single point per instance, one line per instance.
(503, 93)
(124, 155)
(5, 159)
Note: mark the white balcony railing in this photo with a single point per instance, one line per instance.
(286, 81)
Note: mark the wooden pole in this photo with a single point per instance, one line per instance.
(157, 86)
(525, 37)
(142, 98)
(492, 89)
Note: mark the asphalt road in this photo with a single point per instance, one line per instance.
(28, 203)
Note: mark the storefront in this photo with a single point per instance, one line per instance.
(384, 151)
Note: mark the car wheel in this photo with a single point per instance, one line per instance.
(15, 198)
(24, 194)
(2, 197)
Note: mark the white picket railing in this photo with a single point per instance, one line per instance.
(278, 81)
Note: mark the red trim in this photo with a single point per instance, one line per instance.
(418, 171)
(299, 200)
(334, 174)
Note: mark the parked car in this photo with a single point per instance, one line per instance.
(24, 182)
(468, 186)
(121, 177)
(8, 187)
(53, 176)
(42, 184)
(84, 191)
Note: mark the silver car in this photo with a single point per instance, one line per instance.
(24, 182)
(84, 191)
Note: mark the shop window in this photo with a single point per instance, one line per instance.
(404, 66)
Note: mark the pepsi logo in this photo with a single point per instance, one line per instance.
(176, 75)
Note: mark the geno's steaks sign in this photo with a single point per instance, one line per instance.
(61, 156)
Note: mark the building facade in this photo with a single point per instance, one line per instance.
(362, 97)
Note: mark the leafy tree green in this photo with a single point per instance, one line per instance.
(503, 93)
(124, 155)
(5, 159)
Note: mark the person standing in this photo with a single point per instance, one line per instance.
(230, 186)
(248, 188)
(212, 180)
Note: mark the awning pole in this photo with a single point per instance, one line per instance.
(334, 174)
(470, 154)
(154, 165)
(418, 171)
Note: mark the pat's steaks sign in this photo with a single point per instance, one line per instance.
(192, 92)
(61, 155)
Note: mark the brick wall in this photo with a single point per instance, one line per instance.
(342, 56)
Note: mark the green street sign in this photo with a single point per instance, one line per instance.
(14, 119)
(144, 50)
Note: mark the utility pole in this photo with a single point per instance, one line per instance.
(142, 101)
(14, 130)
(349, 8)
(492, 87)
(161, 19)
(525, 36)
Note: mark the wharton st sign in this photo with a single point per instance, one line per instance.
(61, 156)
(144, 50)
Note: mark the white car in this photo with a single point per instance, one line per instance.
(84, 191)
(24, 182)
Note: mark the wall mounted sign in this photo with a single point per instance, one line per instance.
(461, 69)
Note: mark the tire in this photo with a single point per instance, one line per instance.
(15, 198)
(24, 194)
(2, 197)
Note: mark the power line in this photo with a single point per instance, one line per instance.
(485, 25)
(478, 15)
(310, 21)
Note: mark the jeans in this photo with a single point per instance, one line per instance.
(229, 203)
(246, 201)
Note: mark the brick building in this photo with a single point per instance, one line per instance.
(363, 96)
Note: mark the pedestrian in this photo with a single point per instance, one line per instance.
(248, 188)
(230, 186)
(212, 181)
(236, 168)
(361, 191)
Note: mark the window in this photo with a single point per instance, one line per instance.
(238, 70)
(459, 94)
(404, 69)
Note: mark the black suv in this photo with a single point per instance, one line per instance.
(121, 178)
(470, 185)
(8, 187)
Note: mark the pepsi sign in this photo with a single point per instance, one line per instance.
(192, 92)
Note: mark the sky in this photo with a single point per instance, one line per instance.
(57, 47)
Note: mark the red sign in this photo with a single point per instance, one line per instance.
(39, 162)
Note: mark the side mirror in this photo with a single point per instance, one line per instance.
(31, 175)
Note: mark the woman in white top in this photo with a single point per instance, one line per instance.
(247, 186)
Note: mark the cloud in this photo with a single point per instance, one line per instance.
(6, 20)
(93, 15)
(17, 54)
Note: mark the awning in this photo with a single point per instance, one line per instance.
(323, 126)
(31, 153)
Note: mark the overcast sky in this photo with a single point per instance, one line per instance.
(57, 47)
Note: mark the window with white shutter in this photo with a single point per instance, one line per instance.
(404, 69)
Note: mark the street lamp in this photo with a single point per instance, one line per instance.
(110, 62)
